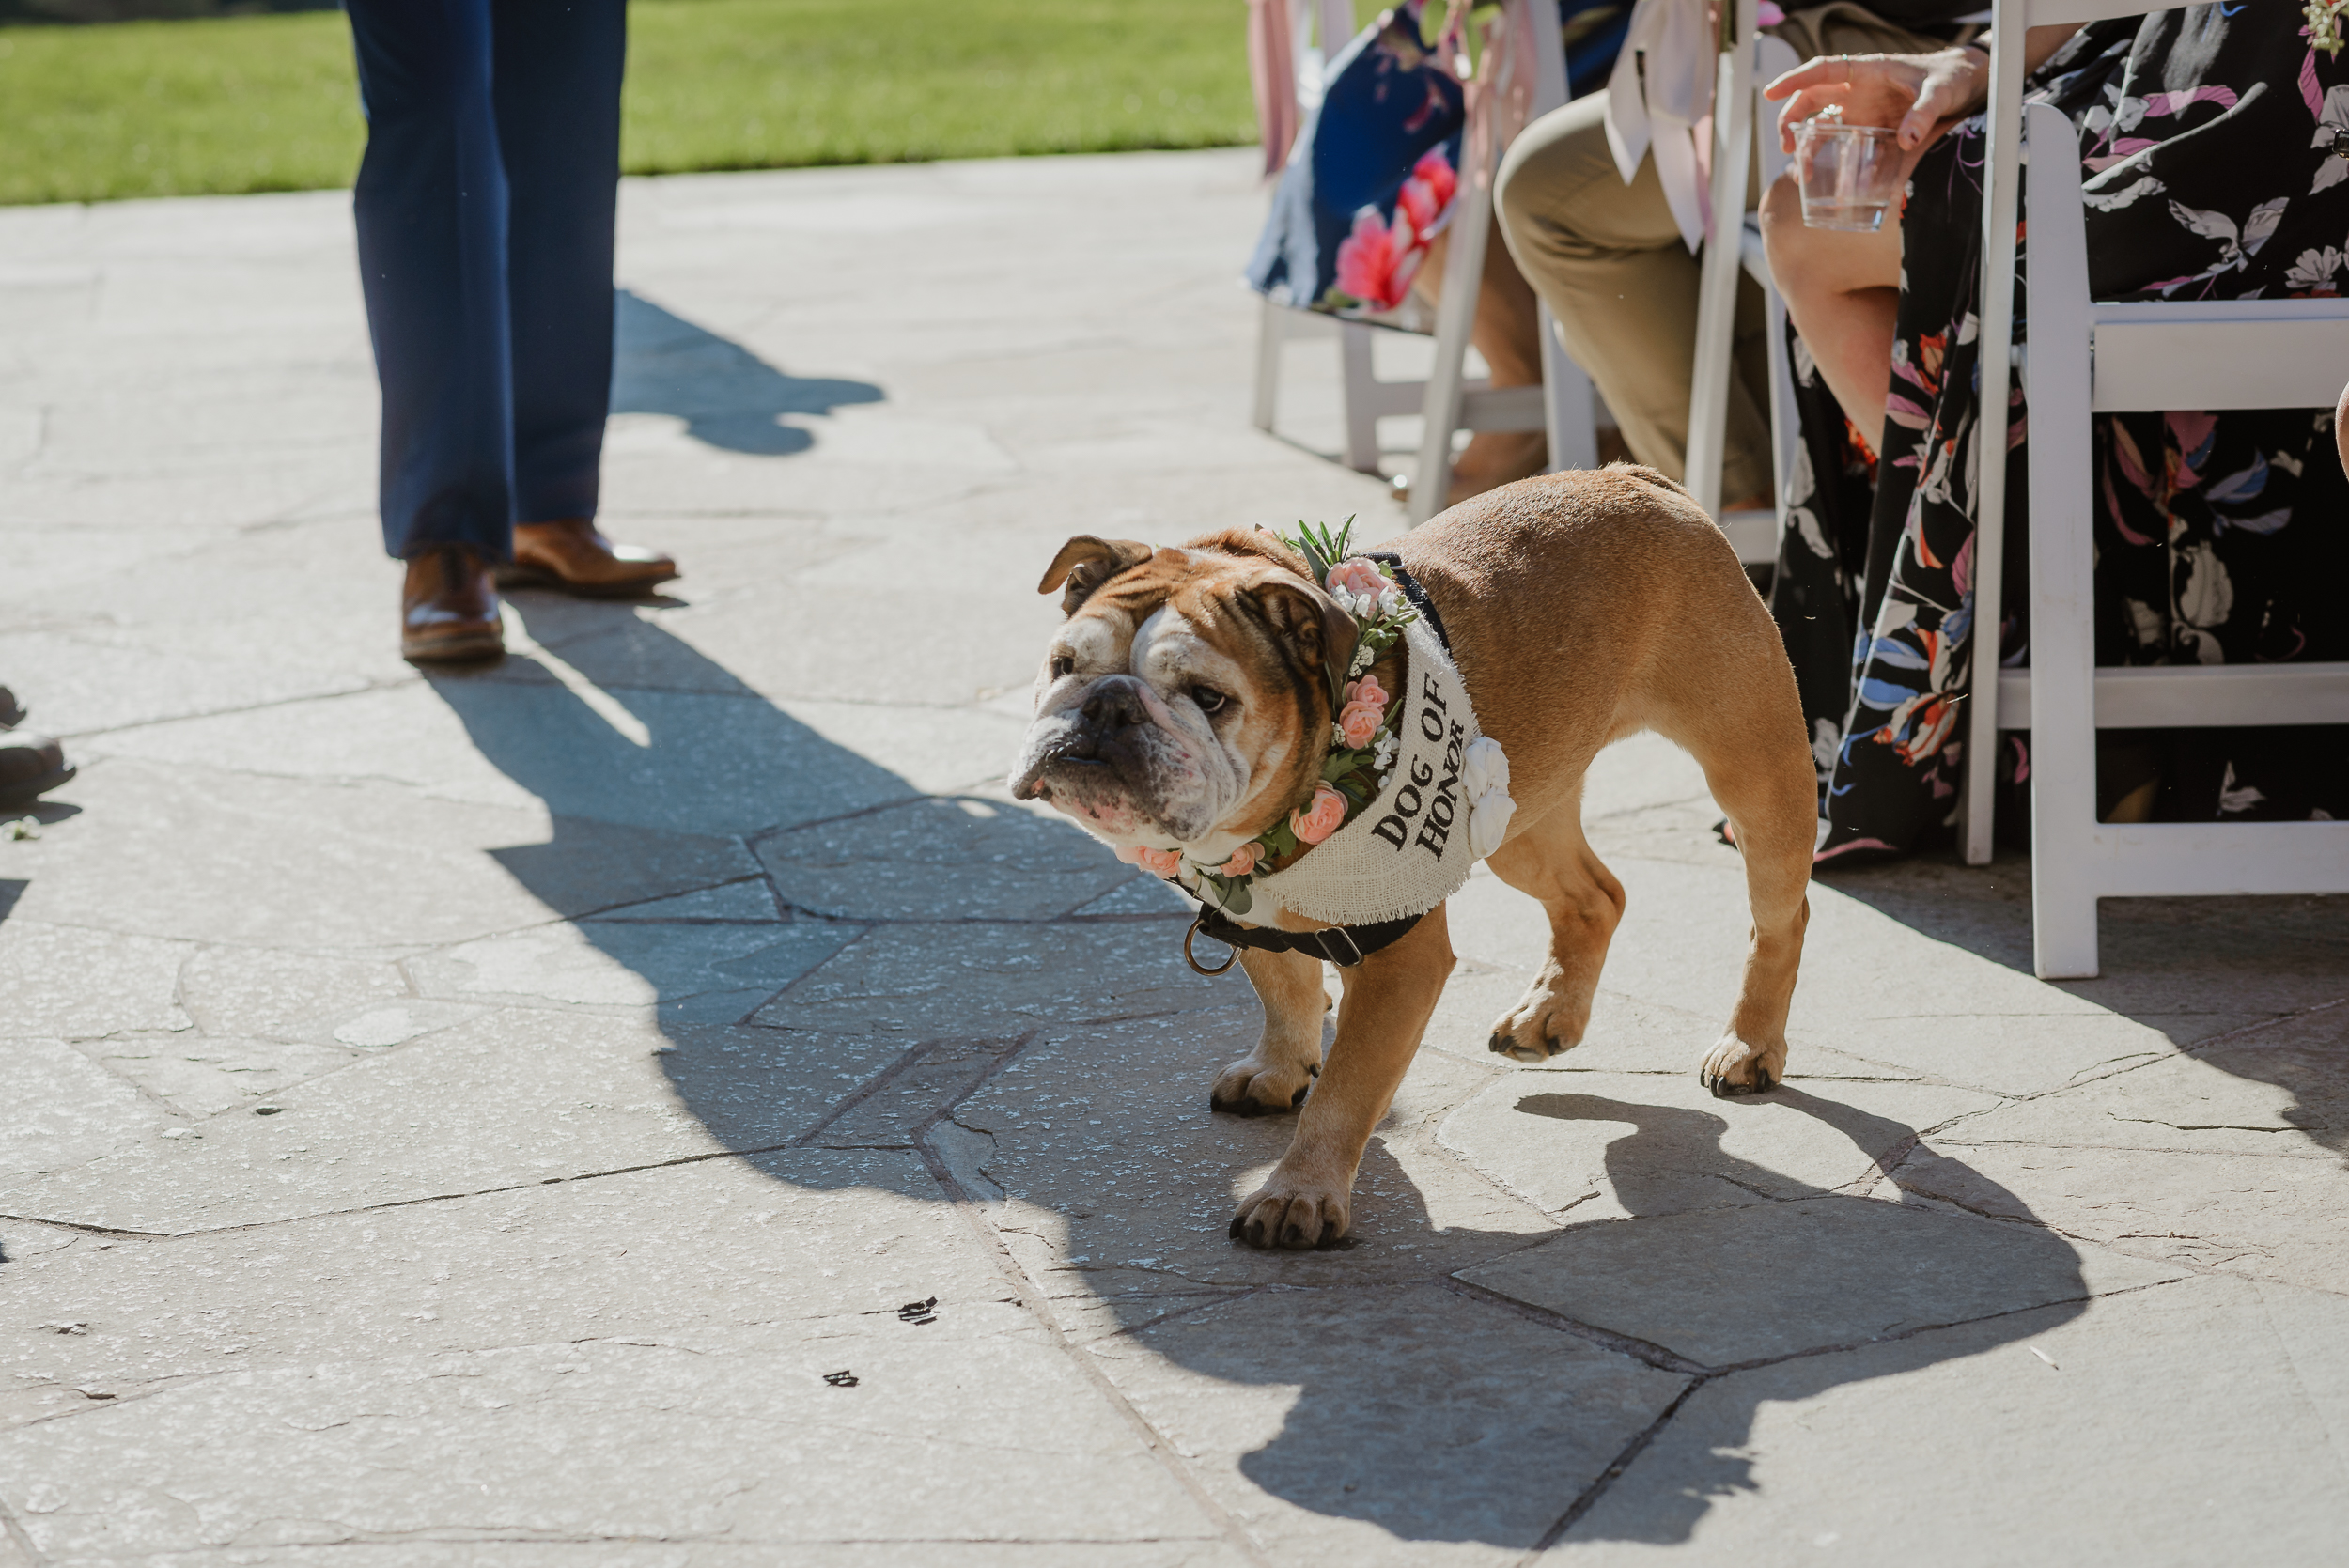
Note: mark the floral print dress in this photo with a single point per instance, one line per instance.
(2207, 146)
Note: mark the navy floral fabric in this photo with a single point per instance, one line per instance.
(2206, 152)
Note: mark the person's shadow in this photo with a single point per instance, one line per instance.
(1393, 1428)
(728, 396)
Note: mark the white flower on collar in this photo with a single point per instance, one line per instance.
(1484, 780)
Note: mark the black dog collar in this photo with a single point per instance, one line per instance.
(1343, 945)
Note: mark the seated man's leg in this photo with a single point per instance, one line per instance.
(1610, 264)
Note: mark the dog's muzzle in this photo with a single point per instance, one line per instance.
(1094, 743)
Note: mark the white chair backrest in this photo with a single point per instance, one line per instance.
(2011, 20)
(2050, 13)
(2085, 357)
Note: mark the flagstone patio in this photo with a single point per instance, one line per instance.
(507, 1118)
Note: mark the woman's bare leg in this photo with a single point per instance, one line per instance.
(1843, 290)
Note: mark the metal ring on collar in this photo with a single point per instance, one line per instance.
(1190, 958)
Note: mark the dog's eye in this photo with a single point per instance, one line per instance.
(1062, 664)
(1208, 698)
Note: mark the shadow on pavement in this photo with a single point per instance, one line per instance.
(1396, 1420)
(2163, 961)
(728, 396)
(1783, 1282)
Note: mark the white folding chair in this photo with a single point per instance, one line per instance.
(1565, 405)
(2087, 358)
(1364, 398)
(1750, 59)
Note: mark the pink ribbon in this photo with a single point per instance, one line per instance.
(1272, 71)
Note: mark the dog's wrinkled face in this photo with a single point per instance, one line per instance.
(1183, 704)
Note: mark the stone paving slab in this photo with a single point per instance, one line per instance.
(461, 1119)
(2208, 1413)
(1485, 1418)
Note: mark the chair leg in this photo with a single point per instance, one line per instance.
(1716, 287)
(1569, 403)
(1455, 321)
(1361, 397)
(2062, 931)
(1270, 332)
(2070, 856)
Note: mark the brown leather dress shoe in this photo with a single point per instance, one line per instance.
(448, 610)
(571, 556)
(30, 765)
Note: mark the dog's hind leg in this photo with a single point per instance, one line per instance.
(1274, 1076)
(1761, 774)
(1551, 861)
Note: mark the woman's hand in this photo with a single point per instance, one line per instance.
(1914, 92)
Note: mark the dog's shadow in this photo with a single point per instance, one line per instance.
(1462, 1426)
(1427, 1401)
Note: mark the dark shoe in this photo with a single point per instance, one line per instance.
(448, 610)
(570, 555)
(30, 766)
(11, 711)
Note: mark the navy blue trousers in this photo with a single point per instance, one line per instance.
(485, 210)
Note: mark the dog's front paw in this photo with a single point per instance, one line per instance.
(1546, 1022)
(1253, 1087)
(1294, 1213)
(1734, 1067)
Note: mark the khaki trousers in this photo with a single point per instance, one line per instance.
(1608, 261)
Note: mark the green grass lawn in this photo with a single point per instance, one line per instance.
(270, 102)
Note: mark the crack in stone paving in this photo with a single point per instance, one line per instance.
(1702, 1375)
(1038, 1303)
(18, 1536)
(370, 685)
(91, 1406)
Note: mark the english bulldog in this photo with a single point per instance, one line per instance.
(1185, 703)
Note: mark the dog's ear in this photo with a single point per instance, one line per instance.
(1310, 622)
(1084, 563)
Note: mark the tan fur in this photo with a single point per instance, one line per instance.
(1581, 607)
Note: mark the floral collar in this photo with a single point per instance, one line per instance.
(1362, 743)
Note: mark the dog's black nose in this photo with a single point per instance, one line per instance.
(1113, 704)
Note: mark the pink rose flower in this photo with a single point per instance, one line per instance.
(1357, 576)
(1374, 265)
(1243, 859)
(1416, 203)
(1324, 815)
(1160, 862)
(1367, 690)
(1360, 722)
(1435, 171)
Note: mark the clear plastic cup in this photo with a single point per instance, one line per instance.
(1848, 174)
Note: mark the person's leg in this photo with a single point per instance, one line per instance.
(558, 120)
(430, 210)
(1841, 292)
(559, 65)
(1610, 264)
